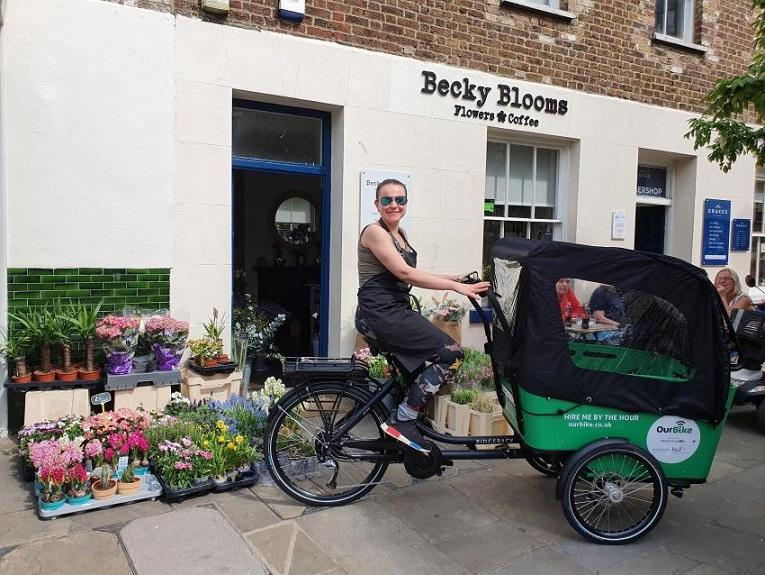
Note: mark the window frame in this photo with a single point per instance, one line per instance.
(557, 222)
(687, 31)
(758, 236)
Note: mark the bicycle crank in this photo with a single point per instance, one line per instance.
(423, 465)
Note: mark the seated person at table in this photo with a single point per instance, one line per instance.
(729, 288)
(567, 299)
(607, 306)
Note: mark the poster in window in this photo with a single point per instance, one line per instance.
(652, 182)
(716, 233)
(741, 232)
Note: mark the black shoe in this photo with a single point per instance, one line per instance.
(406, 432)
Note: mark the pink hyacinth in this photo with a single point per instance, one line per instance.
(182, 466)
(93, 448)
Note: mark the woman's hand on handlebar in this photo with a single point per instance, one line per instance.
(474, 291)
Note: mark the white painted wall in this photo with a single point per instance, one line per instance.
(90, 94)
(116, 106)
(3, 231)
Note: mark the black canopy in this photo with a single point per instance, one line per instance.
(533, 349)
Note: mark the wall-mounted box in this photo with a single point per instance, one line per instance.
(292, 9)
(215, 6)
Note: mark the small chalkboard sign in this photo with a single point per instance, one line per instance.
(101, 399)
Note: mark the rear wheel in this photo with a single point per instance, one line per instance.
(613, 493)
(305, 458)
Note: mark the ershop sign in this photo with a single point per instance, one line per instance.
(519, 107)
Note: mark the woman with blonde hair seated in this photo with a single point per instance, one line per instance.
(729, 287)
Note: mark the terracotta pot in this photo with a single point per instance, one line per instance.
(44, 377)
(24, 379)
(222, 358)
(129, 488)
(211, 363)
(100, 493)
(66, 375)
(89, 375)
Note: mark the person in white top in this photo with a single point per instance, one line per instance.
(728, 285)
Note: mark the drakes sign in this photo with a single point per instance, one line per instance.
(472, 98)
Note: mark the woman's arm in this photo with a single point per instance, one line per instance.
(379, 243)
(743, 302)
(600, 317)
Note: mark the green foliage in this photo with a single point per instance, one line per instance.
(720, 130)
(482, 404)
(215, 325)
(82, 318)
(378, 365)
(464, 396)
(128, 476)
(14, 345)
(475, 370)
(40, 326)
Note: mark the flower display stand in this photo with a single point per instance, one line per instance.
(451, 328)
(150, 489)
(150, 390)
(456, 419)
(55, 403)
(220, 386)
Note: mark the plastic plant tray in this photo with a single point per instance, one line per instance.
(229, 367)
(48, 386)
(131, 380)
(174, 495)
(143, 493)
(250, 478)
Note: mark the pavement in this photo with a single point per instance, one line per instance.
(481, 517)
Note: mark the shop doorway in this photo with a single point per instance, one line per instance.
(280, 204)
(650, 228)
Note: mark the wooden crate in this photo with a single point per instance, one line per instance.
(148, 397)
(55, 403)
(220, 386)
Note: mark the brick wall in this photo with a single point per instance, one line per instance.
(117, 288)
(607, 49)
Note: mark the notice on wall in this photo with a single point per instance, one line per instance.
(618, 225)
(716, 233)
(741, 233)
(369, 179)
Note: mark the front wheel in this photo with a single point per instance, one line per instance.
(305, 458)
(613, 493)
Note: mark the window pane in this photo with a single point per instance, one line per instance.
(675, 17)
(276, 137)
(495, 176)
(521, 175)
(515, 229)
(544, 213)
(491, 229)
(519, 211)
(761, 258)
(661, 6)
(757, 220)
(547, 177)
(541, 231)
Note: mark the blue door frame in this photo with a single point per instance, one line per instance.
(239, 163)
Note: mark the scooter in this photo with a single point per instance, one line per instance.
(749, 326)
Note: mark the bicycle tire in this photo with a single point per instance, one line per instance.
(312, 395)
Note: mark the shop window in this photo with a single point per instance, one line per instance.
(521, 193)
(628, 332)
(675, 18)
(757, 268)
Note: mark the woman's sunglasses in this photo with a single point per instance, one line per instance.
(385, 201)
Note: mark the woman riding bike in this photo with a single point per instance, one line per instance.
(387, 269)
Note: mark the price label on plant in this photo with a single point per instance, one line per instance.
(101, 398)
(122, 464)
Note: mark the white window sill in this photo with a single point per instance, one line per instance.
(540, 8)
(672, 41)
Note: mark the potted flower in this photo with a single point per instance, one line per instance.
(119, 336)
(446, 314)
(167, 337)
(42, 328)
(204, 352)
(15, 348)
(105, 486)
(66, 333)
(83, 319)
(52, 479)
(79, 491)
(139, 447)
(129, 483)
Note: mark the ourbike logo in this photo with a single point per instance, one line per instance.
(679, 427)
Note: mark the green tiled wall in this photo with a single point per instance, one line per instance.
(116, 288)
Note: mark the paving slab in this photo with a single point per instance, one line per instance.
(307, 558)
(246, 511)
(437, 511)
(657, 561)
(279, 502)
(489, 547)
(93, 552)
(189, 541)
(24, 527)
(273, 545)
(117, 515)
(545, 561)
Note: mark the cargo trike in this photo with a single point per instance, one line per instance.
(622, 398)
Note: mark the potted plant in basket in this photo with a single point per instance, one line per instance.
(139, 447)
(52, 479)
(79, 491)
(66, 333)
(167, 337)
(446, 314)
(119, 336)
(15, 349)
(83, 320)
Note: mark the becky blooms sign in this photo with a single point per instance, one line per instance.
(470, 94)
